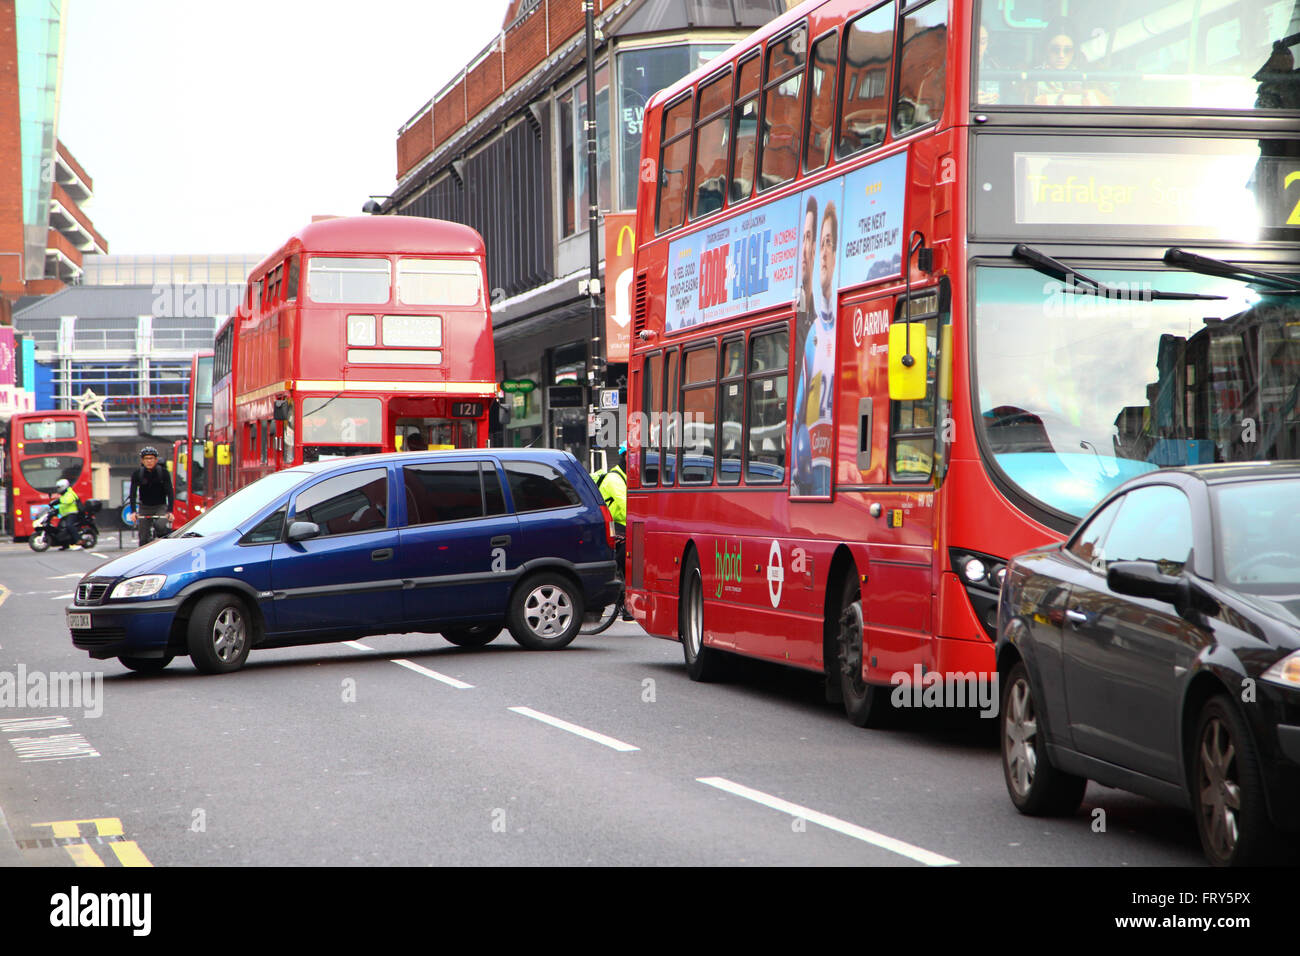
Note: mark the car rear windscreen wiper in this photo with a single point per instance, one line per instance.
(1278, 284)
(1072, 277)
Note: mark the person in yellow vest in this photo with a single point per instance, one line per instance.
(612, 485)
(68, 505)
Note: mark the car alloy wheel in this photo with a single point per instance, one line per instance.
(228, 635)
(1035, 785)
(1020, 726)
(548, 611)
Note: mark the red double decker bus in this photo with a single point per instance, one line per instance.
(41, 448)
(917, 283)
(189, 455)
(357, 334)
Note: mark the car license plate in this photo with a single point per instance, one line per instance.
(78, 622)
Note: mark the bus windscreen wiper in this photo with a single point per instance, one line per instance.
(1278, 284)
(1077, 283)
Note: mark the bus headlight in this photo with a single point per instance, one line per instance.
(146, 585)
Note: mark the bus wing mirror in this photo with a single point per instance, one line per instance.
(223, 454)
(283, 410)
(906, 378)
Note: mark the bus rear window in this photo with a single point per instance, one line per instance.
(337, 420)
(49, 430)
(333, 279)
(438, 282)
(44, 473)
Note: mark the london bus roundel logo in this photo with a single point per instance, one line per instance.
(775, 573)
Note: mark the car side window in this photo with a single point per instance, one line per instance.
(492, 495)
(535, 486)
(1154, 524)
(1086, 545)
(357, 501)
(268, 530)
(443, 491)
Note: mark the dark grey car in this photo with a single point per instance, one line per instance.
(1158, 651)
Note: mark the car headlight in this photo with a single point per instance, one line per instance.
(1286, 671)
(143, 586)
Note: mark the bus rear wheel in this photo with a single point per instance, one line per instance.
(866, 705)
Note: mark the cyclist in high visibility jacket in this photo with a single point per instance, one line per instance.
(612, 485)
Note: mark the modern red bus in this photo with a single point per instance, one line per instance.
(916, 284)
(189, 469)
(355, 335)
(41, 448)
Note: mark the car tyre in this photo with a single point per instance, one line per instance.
(704, 664)
(219, 634)
(145, 665)
(472, 635)
(1035, 785)
(1228, 791)
(865, 705)
(545, 612)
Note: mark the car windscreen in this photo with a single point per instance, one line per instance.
(242, 505)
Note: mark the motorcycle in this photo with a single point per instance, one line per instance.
(77, 528)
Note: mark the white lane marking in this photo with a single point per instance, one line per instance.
(58, 747)
(610, 742)
(4, 594)
(449, 681)
(358, 645)
(60, 597)
(12, 725)
(98, 555)
(831, 823)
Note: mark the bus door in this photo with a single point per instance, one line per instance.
(899, 478)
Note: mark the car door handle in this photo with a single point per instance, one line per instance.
(1076, 617)
(382, 554)
(501, 541)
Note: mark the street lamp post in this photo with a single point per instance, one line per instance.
(596, 354)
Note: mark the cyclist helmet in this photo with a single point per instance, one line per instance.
(148, 450)
(61, 485)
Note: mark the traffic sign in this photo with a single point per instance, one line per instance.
(609, 398)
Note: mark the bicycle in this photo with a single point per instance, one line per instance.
(610, 612)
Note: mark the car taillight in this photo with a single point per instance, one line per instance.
(610, 537)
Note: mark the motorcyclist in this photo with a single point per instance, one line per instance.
(612, 485)
(64, 523)
(153, 486)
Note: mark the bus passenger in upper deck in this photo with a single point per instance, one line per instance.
(1061, 52)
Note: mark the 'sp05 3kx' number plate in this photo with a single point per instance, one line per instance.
(78, 622)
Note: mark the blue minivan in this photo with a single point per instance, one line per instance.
(459, 543)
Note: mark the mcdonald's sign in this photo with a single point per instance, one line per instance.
(620, 243)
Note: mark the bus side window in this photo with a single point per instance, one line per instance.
(711, 135)
(699, 414)
(731, 402)
(765, 425)
(912, 428)
(745, 131)
(922, 67)
(674, 165)
(783, 108)
(821, 102)
(672, 421)
(292, 290)
(864, 108)
(652, 398)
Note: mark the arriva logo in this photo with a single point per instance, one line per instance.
(726, 566)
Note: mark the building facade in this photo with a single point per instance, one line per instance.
(44, 229)
(502, 148)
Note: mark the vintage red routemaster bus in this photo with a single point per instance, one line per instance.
(190, 464)
(41, 448)
(355, 336)
(916, 284)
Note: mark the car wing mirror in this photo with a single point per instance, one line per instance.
(1145, 579)
(301, 530)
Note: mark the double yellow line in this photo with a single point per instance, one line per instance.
(128, 852)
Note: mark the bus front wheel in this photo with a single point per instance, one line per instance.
(866, 705)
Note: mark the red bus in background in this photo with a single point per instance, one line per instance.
(862, 378)
(189, 455)
(41, 448)
(355, 334)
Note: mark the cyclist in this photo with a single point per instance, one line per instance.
(65, 522)
(612, 485)
(153, 485)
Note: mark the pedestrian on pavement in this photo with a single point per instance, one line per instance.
(152, 485)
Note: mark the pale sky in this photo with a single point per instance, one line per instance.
(223, 127)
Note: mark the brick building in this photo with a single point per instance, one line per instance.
(44, 231)
(501, 149)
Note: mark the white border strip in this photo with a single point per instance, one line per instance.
(449, 681)
(831, 823)
(358, 645)
(575, 729)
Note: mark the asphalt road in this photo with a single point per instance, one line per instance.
(341, 755)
